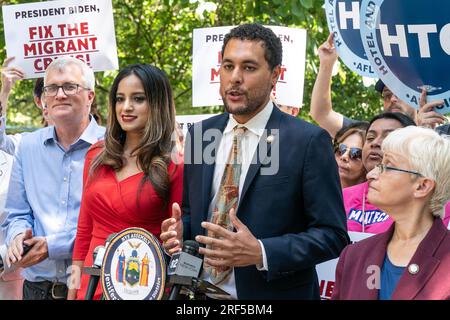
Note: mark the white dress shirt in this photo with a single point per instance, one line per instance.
(255, 129)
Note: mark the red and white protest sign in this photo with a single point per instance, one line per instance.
(37, 33)
(326, 272)
(206, 60)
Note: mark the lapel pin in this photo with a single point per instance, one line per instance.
(270, 138)
(413, 268)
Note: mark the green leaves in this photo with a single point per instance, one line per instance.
(160, 32)
(308, 4)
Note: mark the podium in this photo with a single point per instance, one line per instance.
(134, 268)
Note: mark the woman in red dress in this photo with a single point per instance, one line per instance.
(130, 178)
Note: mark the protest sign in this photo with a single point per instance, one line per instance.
(207, 47)
(343, 20)
(408, 45)
(37, 33)
(326, 271)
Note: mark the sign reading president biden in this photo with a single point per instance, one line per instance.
(207, 58)
(38, 33)
(408, 44)
(343, 20)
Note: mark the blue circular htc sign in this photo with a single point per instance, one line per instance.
(343, 17)
(408, 45)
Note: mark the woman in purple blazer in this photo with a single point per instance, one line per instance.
(412, 259)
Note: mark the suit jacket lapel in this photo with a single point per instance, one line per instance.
(208, 168)
(272, 127)
(409, 284)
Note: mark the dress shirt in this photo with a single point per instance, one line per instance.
(6, 161)
(8, 143)
(45, 195)
(255, 129)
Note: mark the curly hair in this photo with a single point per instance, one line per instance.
(256, 32)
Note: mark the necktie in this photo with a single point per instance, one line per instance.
(227, 199)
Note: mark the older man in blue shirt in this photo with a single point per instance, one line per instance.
(46, 182)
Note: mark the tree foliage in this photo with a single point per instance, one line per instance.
(160, 32)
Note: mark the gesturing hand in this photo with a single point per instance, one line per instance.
(427, 117)
(233, 249)
(172, 231)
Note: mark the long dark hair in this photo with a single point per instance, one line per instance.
(156, 144)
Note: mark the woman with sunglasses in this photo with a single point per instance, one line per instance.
(411, 260)
(348, 145)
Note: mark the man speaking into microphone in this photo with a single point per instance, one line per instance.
(263, 197)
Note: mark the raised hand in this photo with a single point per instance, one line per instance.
(327, 52)
(172, 231)
(10, 75)
(426, 116)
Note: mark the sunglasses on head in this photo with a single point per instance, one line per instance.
(354, 154)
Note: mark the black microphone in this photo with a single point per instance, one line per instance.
(184, 267)
(25, 247)
(93, 280)
(94, 271)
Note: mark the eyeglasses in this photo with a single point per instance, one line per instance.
(354, 154)
(69, 89)
(382, 167)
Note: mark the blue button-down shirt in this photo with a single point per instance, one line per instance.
(45, 195)
(8, 143)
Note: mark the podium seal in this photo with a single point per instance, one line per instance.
(133, 267)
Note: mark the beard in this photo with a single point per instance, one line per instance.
(395, 106)
(255, 101)
(410, 112)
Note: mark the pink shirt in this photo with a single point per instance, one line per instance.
(362, 216)
(375, 221)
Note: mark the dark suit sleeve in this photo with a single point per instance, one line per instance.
(323, 213)
(185, 206)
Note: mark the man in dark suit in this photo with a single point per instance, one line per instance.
(267, 219)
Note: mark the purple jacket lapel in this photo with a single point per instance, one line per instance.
(410, 284)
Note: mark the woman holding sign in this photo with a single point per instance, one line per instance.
(411, 260)
(130, 179)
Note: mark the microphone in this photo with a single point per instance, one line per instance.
(98, 254)
(25, 247)
(102, 250)
(184, 267)
(93, 280)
